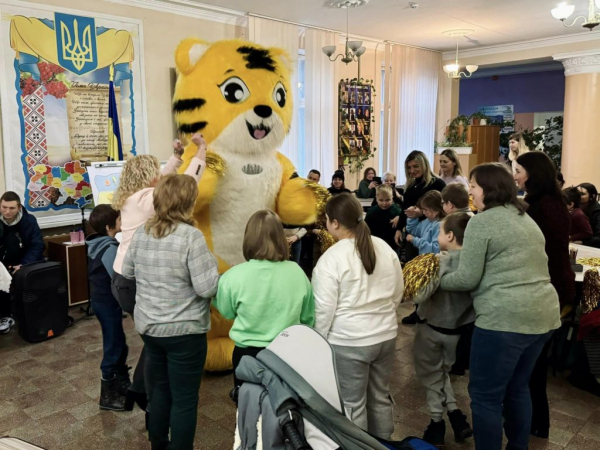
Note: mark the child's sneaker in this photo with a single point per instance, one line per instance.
(460, 426)
(435, 432)
(5, 324)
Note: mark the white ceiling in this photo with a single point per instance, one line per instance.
(493, 21)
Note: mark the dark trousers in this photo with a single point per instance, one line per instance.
(463, 349)
(238, 352)
(114, 346)
(174, 369)
(540, 418)
(124, 289)
(5, 305)
(501, 367)
(296, 251)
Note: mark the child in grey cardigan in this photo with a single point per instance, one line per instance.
(445, 315)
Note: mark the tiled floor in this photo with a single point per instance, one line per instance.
(49, 396)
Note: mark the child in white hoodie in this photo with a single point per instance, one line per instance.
(357, 286)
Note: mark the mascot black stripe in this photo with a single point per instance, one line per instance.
(188, 104)
(257, 58)
(192, 127)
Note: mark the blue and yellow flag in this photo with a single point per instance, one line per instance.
(115, 149)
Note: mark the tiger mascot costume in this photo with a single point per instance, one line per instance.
(237, 94)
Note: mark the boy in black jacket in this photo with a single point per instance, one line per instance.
(379, 218)
(102, 249)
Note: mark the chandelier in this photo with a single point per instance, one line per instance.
(353, 49)
(563, 11)
(453, 70)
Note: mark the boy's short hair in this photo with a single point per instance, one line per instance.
(457, 224)
(456, 194)
(384, 189)
(10, 196)
(315, 171)
(102, 216)
(572, 195)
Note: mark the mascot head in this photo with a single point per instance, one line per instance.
(236, 93)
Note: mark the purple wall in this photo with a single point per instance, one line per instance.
(528, 92)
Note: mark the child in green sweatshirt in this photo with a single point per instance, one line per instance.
(266, 294)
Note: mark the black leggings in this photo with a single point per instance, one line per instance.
(238, 352)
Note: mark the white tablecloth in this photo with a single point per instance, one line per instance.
(585, 252)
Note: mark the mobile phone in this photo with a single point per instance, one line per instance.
(377, 180)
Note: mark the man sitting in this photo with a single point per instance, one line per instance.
(20, 243)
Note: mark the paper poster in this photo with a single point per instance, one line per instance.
(54, 85)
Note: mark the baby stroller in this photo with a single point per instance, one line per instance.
(290, 400)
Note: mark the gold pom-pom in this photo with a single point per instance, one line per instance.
(591, 290)
(594, 262)
(418, 273)
(215, 163)
(321, 194)
(325, 238)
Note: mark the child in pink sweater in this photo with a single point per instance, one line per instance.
(134, 199)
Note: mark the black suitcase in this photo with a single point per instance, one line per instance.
(40, 301)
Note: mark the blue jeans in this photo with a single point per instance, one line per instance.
(501, 366)
(296, 251)
(110, 316)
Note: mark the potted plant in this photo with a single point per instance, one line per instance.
(478, 118)
(456, 137)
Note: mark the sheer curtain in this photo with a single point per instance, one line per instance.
(320, 109)
(414, 93)
(271, 33)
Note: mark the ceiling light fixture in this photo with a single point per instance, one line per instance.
(354, 49)
(563, 11)
(453, 70)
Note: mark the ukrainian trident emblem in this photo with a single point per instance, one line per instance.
(76, 43)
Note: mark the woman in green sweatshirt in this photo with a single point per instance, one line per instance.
(504, 265)
(266, 294)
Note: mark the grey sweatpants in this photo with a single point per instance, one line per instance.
(364, 375)
(435, 354)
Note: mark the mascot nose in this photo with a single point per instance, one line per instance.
(263, 111)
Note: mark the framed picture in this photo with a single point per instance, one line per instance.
(356, 113)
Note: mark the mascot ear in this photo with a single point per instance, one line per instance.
(188, 53)
(284, 57)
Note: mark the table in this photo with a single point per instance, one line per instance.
(74, 259)
(585, 252)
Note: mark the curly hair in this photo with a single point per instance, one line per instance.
(138, 173)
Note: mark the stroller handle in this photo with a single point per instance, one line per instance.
(294, 438)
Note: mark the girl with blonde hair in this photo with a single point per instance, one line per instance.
(176, 277)
(134, 199)
(516, 147)
(282, 298)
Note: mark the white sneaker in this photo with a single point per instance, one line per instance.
(5, 324)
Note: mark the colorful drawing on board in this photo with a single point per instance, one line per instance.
(105, 186)
(55, 76)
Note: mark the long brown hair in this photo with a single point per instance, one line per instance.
(452, 156)
(347, 211)
(174, 200)
(499, 188)
(264, 239)
(432, 200)
(367, 170)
